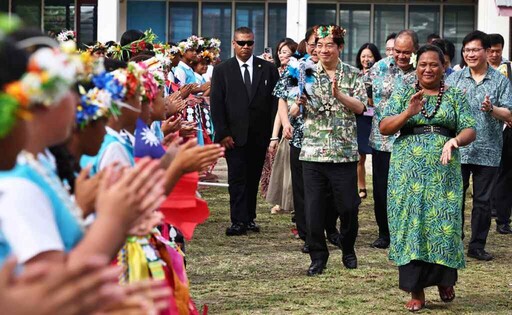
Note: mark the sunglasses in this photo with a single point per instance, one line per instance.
(242, 43)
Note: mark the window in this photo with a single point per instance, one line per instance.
(458, 22)
(276, 23)
(29, 11)
(356, 20)
(137, 17)
(182, 20)
(59, 15)
(424, 20)
(216, 22)
(388, 19)
(252, 15)
(321, 14)
(88, 20)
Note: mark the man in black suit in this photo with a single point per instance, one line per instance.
(243, 110)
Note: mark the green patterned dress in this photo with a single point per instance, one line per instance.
(424, 196)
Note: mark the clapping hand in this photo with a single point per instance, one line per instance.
(486, 104)
(446, 156)
(86, 189)
(172, 124)
(416, 103)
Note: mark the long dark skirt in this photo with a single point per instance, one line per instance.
(418, 275)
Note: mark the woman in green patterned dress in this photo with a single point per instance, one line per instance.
(425, 182)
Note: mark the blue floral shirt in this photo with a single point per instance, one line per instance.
(281, 90)
(486, 149)
(386, 77)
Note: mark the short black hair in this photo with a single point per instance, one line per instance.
(412, 34)
(130, 36)
(309, 32)
(423, 49)
(496, 39)
(14, 62)
(432, 36)
(390, 36)
(113, 64)
(477, 35)
(243, 30)
(446, 46)
(373, 49)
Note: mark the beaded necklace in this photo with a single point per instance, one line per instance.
(438, 102)
(57, 186)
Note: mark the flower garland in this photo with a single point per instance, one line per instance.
(66, 35)
(301, 75)
(57, 186)
(323, 31)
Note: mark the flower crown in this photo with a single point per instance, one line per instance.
(165, 53)
(98, 46)
(192, 43)
(94, 104)
(149, 83)
(210, 50)
(322, 31)
(116, 51)
(66, 35)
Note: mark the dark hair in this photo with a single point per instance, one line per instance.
(243, 30)
(390, 36)
(462, 62)
(373, 49)
(477, 35)
(423, 49)
(65, 165)
(27, 33)
(432, 36)
(288, 42)
(129, 37)
(412, 34)
(140, 57)
(496, 39)
(301, 47)
(446, 46)
(13, 60)
(338, 40)
(309, 32)
(113, 64)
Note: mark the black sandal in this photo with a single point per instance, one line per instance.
(364, 194)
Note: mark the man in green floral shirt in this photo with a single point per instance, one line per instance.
(329, 148)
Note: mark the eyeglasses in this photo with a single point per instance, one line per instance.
(242, 43)
(311, 45)
(405, 53)
(471, 50)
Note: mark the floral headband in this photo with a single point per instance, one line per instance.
(149, 84)
(116, 51)
(210, 50)
(192, 43)
(94, 104)
(324, 31)
(165, 53)
(66, 35)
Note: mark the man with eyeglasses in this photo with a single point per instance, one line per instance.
(490, 98)
(243, 110)
(387, 75)
(390, 44)
(329, 148)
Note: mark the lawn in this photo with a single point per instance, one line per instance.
(265, 273)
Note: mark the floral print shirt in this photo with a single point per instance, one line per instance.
(386, 77)
(486, 149)
(330, 127)
(281, 90)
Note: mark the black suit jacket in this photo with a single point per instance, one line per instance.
(237, 114)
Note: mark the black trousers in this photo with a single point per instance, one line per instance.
(503, 189)
(298, 198)
(380, 170)
(245, 164)
(341, 180)
(483, 186)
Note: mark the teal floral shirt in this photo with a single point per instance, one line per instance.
(330, 127)
(486, 149)
(386, 78)
(281, 90)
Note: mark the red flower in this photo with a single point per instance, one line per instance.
(142, 45)
(133, 48)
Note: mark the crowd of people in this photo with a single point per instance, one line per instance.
(103, 150)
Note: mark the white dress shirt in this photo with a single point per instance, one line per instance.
(249, 62)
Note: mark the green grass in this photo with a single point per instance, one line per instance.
(265, 273)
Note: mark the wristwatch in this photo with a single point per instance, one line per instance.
(491, 109)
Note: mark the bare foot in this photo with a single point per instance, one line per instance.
(417, 301)
(447, 294)
(275, 209)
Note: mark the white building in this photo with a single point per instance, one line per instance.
(271, 20)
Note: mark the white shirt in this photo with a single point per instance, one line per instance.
(208, 75)
(27, 220)
(180, 74)
(249, 62)
(115, 152)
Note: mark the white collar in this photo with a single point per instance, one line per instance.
(185, 65)
(115, 134)
(248, 62)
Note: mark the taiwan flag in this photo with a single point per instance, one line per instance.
(146, 142)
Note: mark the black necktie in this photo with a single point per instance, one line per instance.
(247, 79)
